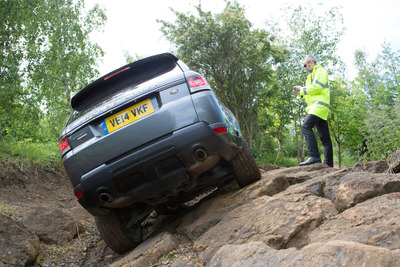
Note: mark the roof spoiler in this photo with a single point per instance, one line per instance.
(101, 85)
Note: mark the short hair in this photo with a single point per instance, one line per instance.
(309, 58)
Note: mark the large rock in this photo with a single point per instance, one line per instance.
(301, 216)
(279, 222)
(210, 212)
(303, 199)
(380, 166)
(333, 253)
(374, 222)
(348, 186)
(148, 251)
(348, 189)
(18, 246)
(53, 226)
(295, 175)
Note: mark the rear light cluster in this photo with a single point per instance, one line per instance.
(78, 194)
(63, 144)
(197, 81)
(220, 130)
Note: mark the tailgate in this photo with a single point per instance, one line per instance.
(135, 116)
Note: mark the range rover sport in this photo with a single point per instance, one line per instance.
(147, 136)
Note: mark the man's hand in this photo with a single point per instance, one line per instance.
(296, 89)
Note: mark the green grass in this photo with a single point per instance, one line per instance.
(263, 158)
(43, 154)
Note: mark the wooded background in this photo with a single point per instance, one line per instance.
(47, 56)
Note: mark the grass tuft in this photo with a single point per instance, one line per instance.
(43, 154)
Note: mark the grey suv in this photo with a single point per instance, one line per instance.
(148, 136)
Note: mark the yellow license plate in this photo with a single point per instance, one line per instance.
(127, 116)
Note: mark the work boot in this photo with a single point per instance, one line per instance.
(310, 160)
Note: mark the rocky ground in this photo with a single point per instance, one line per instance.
(300, 216)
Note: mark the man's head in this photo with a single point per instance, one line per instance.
(309, 62)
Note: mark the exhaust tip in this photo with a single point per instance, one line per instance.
(200, 154)
(106, 197)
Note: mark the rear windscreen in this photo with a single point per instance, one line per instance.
(112, 85)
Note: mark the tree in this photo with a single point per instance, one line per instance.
(379, 80)
(48, 55)
(306, 33)
(236, 59)
(347, 117)
(12, 17)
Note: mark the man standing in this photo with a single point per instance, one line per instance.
(317, 96)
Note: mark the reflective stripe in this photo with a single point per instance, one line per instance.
(325, 86)
(320, 103)
(305, 90)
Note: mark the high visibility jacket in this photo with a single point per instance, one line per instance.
(317, 93)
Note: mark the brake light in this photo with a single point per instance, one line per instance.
(78, 194)
(63, 144)
(220, 130)
(197, 81)
(115, 73)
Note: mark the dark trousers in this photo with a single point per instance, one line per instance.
(310, 122)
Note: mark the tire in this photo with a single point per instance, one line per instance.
(245, 167)
(113, 231)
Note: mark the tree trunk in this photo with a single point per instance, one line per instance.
(279, 149)
(297, 140)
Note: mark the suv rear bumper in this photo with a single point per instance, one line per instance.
(156, 170)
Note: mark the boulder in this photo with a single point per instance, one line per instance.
(148, 251)
(211, 211)
(18, 246)
(301, 216)
(348, 189)
(373, 222)
(332, 253)
(300, 174)
(279, 222)
(379, 166)
(53, 226)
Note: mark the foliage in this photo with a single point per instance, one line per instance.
(129, 58)
(11, 16)
(383, 131)
(237, 59)
(346, 117)
(253, 71)
(380, 82)
(47, 55)
(308, 32)
(43, 154)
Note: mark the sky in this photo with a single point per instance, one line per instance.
(132, 27)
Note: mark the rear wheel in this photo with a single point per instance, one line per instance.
(245, 167)
(117, 232)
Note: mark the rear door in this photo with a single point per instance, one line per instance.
(128, 109)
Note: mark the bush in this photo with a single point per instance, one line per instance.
(383, 132)
(43, 154)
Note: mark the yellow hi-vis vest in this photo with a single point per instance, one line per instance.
(317, 93)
